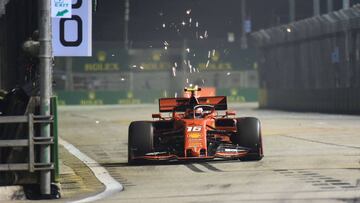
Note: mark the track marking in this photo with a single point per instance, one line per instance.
(194, 168)
(111, 185)
(317, 180)
(321, 142)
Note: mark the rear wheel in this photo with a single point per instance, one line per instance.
(249, 135)
(140, 140)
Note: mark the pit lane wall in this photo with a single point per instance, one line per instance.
(312, 64)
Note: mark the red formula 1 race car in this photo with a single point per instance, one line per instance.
(195, 129)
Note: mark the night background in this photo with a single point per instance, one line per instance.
(218, 17)
(110, 118)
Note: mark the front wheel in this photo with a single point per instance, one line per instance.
(249, 135)
(140, 140)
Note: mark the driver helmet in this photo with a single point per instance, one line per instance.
(199, 112)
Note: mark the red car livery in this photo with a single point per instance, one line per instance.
(194, 128)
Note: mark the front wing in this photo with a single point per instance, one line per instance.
(164, 156)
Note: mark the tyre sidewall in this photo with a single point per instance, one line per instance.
(249, 135)
(140, 139)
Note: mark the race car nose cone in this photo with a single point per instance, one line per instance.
(195, 152)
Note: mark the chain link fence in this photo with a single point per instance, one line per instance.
(312, 64)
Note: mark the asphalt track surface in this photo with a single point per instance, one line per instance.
(309, 157)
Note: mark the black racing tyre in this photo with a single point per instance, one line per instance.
(249, 135)
(140, 140)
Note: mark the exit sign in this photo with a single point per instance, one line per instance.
(61, 8)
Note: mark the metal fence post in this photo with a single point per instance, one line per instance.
(292, 10)
(243, 39)
(45, 57)
(330, 6)
(31, 142)
(346, 4)
(316, 5)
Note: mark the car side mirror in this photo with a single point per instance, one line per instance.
(230, 113)
(156, 115)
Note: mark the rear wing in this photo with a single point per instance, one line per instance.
(181, 104)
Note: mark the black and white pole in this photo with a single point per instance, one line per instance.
(45, 57)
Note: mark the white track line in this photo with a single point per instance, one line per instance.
(111, 185)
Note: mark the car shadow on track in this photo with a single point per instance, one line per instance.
(162, 163)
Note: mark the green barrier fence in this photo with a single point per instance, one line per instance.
(239, 94)
(55, 148)
(144, 96)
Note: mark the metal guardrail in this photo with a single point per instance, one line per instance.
(310, 28)
(312, 64)
(32, 140)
